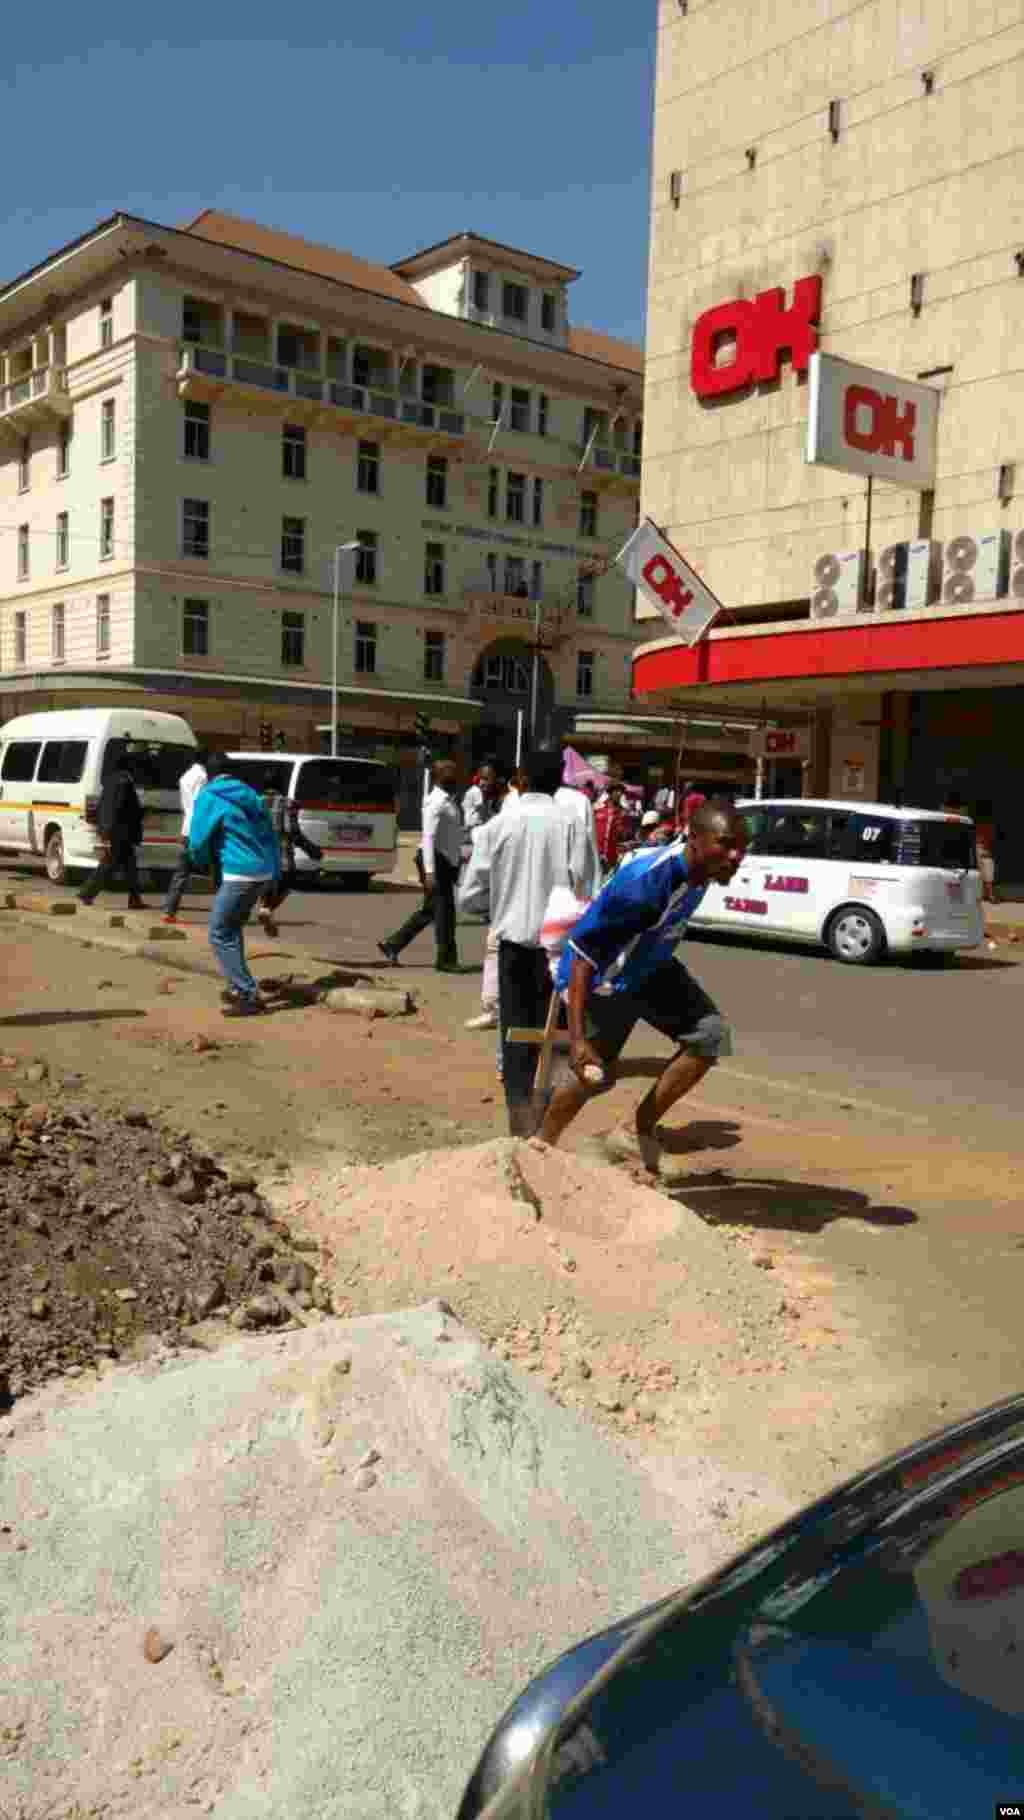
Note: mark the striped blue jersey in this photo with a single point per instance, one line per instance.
(635, 923)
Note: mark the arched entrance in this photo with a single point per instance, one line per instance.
(502, 681)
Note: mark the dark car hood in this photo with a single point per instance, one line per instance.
(867, 1658)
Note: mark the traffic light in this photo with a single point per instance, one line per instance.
(266, 735)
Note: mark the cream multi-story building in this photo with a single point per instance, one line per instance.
(872, 154)
(195, 419)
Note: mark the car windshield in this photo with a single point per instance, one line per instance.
(262, 773)
(948, 844)
(155, 764)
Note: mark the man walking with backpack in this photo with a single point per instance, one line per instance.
(232, 829)
(119, 825)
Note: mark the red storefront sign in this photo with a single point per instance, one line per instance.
(764, 329)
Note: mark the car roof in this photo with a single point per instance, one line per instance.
(796, 804)
(291, 758)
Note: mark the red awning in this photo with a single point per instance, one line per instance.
(867, 649)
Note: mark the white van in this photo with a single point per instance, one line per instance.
(347, 806)
(52, 769)
(865, 879)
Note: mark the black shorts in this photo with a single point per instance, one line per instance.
(672, 1002)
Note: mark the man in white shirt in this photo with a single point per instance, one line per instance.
(578, 806)
(189, 785)
(480, 802)
(515, 871)
(442, 856)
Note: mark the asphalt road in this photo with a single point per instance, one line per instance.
(941, 1046)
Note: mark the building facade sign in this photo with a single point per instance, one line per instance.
(656, 567)
(762, 329)
(872, 423)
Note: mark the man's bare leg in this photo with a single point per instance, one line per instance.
(562, 1110)
(679, 1078)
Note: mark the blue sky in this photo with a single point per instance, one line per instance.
(381, 129)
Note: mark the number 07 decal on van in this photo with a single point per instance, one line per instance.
(862, 879)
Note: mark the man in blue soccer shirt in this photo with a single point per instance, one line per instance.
(618, 969)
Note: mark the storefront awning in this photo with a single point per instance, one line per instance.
(806, 664)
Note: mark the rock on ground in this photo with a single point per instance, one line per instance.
(306, 1574)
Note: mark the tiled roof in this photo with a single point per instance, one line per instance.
(291, 249)
(614, 353)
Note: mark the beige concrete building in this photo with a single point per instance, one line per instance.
(876, 153)
(193, 419)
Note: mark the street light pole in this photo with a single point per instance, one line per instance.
(340, 550)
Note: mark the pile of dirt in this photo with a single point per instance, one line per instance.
(114, 1232)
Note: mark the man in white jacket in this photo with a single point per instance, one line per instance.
(189, 785)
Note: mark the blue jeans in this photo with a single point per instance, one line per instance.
(229, 913)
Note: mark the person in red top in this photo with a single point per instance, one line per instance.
(610, 824)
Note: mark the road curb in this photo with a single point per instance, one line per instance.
(155, 952)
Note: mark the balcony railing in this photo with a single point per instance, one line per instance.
(295, 382)
(42, 392)
(607, 460)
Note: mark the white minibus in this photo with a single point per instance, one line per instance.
(347, 806)
(52, 769)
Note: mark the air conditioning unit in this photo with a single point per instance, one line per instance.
(924, 571)
(1017, 566)
(891, 578)
(975, 567)
(838, 584)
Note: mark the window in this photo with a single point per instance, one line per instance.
(585, 596)
(20, 637)
(542, 414)
(366, 558)
(293, 545)
(536, 579)
(433, 580)
(57, 632)
(548, 312)
(584, 672)
(106, 529)
(195, 539)
(64, 452)
(23, 552)
(293, 639)
(492, 572)
(514, 301)
(492, 493)
(515, 498)
(195, 628)
(293, 452)
(515, 577)
(788, 833)
(21, 755)
(368, 468)
(481, 290)
(366, 647)
(638, 439)
(108, 434)
(438, 385)
(197, 431)
(63, 541)
(437, 481)
(63, 761)
(106, 322)
(433, 657)
(191, 320)
(538, 501)
(24, 464)
(949, 845)
(519, 409)
(588, 514)
(504, 673)
(870, 839)
(103, 625)
(498, 401)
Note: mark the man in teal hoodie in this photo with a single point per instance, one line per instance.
(231, 828)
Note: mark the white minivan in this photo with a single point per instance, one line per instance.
(53, 767)
(347, 806)
(865, 879)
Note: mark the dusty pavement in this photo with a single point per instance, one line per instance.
(893, 1242)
